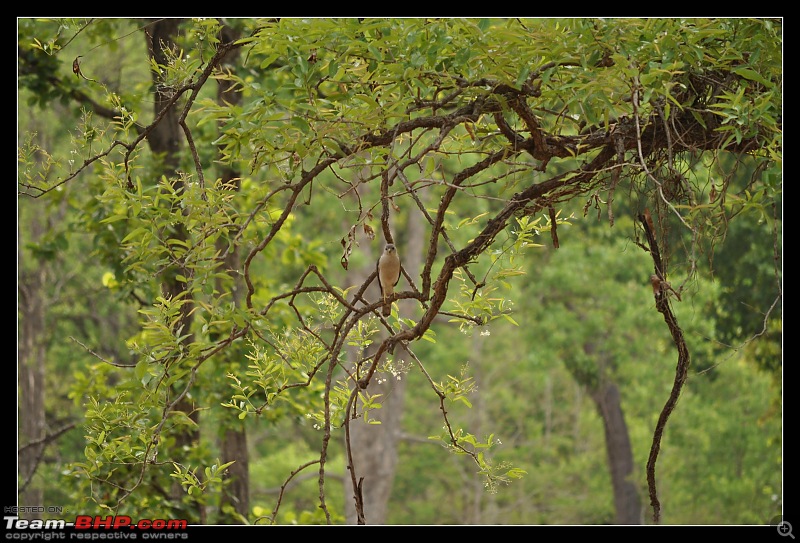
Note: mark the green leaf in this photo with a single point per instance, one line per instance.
(115, 218)
(752, 75)
(140, 371)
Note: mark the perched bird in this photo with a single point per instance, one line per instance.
(660, 287)
(388, 275)
(656, 282)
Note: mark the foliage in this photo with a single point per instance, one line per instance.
(489, 132)
(723, 431)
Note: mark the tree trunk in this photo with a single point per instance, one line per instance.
(236, 493)
(31, 357)
(627, 503)
(605, 394)
(375, 451)
(165, 143)
(375, 445)
(165, 138)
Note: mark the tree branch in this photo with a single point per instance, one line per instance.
(681, 370)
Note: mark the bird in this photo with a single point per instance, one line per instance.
(660, 287)
(388, 268)
(655, 281)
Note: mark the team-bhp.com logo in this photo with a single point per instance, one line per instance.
(96, 527)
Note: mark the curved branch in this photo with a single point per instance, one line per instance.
(681, 371)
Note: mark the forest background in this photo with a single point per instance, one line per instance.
(201, 203)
